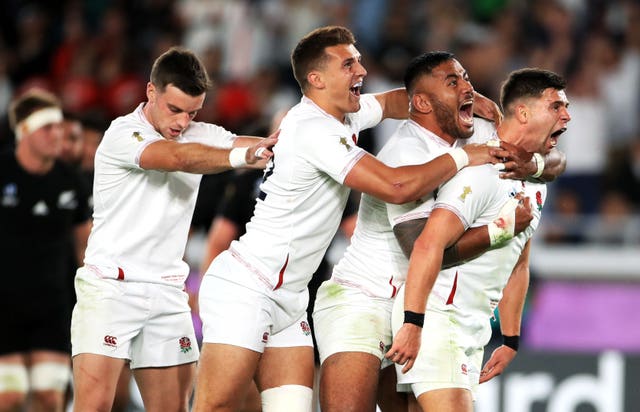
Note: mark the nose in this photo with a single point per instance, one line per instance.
(183, 120)
(565, 116)
(360, 70)
(467, 87)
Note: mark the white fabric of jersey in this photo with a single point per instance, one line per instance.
(474, 288)
(303, 196)
(374, 262)
(470, 292)
(141, 217)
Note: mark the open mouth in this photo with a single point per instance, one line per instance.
(355, 89)
(558, 132)
(554, 136)
(465, 112)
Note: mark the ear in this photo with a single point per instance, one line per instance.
(522, 113)
(314, 78)
(151, 91)
(421, 103)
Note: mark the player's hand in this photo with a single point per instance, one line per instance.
(497, 363)
(518, 163)
(405, 346)
(486, 108)
(259, 154)
(523, 214)
(480, 154)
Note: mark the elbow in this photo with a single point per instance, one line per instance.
(398, 194)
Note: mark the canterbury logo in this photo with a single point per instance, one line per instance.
(110, 340)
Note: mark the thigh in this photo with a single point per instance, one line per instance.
(340, 373)
(389, 399)
(446, 400)
(166, 389)
(224, 376)
(94, 380)
(286, 366)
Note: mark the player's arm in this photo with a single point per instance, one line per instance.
(81, 237)
(395, 105)
(510, 309)
(441, 230)
(486, 108)
(523, 165)
(223, 231)
(198, 158)
(513, 218)
(407, 183)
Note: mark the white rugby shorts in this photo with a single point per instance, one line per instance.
(347, 320)
(238, 310)
(148, 323)
(445, 359)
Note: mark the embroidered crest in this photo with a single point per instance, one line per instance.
(465, 191)
(343, 141)
(185, 344)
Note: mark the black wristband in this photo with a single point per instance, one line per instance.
(414, 318)
(512, 342)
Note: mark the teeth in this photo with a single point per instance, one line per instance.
(359, 84)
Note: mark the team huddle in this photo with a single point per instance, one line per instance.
(442, 239)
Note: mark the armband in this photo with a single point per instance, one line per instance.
(539, 164)
(238, 157)
(414, 318)
(512, 342)
(460, 157)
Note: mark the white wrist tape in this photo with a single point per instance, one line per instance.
(540, 164)
(502, 229)
(460, 157)
(38, 119)
(238, 157)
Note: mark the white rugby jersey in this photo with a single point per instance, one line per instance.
(374, 262)
(472, 290)
(141, 217)
(303, 197)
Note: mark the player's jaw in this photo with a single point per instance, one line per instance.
(456, 121)
(552, 140)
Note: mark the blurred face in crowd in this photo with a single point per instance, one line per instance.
(72, 142)
(44, 142)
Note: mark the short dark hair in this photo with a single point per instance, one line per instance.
(309, 53)
(30, 102)
(527, 82)
(423, 64)
(181, 68)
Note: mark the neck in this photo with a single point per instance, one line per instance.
(430, 124)
(509, 132)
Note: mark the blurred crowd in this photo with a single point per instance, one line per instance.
(95, 55)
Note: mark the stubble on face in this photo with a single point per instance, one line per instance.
(447, 119)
